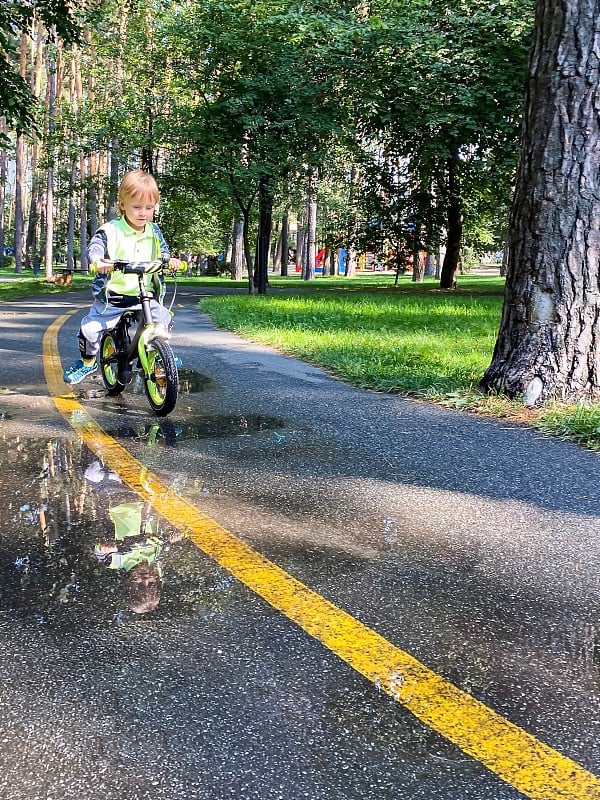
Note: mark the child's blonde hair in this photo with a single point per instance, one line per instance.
(138, 185)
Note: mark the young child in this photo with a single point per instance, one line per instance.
(131, 237)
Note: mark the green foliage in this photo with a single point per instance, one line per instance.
(266, 100)
(235, 93)
(193, 223)
(59, 16)
(430, 80)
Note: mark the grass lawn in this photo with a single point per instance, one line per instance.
(13, 285)
(413, 339)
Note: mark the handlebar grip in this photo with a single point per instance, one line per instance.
(137, 267)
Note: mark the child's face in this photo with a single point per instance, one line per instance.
(142, 588)
(138, 211)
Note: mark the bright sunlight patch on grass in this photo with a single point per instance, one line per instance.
(403, 343)
(412, 339)
(15, 285)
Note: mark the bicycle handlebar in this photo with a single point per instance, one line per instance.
(139, 267)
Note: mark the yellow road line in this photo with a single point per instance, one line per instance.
(532, 767)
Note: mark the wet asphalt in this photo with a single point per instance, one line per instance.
(472, 544)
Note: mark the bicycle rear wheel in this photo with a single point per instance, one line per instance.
(109, 364)
(162, 381)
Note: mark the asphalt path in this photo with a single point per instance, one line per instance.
(469, 544)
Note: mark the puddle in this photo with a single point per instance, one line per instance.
(78, 548)
(167, 432)
(191, 381)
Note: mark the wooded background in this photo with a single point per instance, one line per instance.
(387, 127)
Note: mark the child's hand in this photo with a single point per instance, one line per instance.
(102, 267)
(175, 264)
(106, 548)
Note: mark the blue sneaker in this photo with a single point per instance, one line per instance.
(78, 371)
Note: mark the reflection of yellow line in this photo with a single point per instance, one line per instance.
(514, 755)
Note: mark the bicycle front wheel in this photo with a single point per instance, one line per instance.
(109, 364)
(161, 382)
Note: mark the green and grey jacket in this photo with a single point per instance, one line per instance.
(118, 241)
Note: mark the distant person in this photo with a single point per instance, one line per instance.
(133, 236)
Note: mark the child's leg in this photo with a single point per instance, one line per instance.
(160, 314)
(96, 321)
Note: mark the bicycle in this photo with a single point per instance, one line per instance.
(147, 345)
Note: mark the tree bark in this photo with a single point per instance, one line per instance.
(92, 193)
(265, 223)
(455, 225)
(300, 245)
(20, 169)
(247, 253)
(71, 219)
(52, 76)
(308, 272)
(430, 265)
(83, 239)
(35, 203)
(3, 161)
(549, 341)
(237, 250)
(285, 227)
(351, 254)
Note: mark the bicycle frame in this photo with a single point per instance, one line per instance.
(147, 330)
(148, 343)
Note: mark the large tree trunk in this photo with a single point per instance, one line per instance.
(455, 226)
(237, 250)
(265, 224)
(308, 273)
(549, 340)
(285, 259)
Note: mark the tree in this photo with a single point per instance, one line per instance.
(549, 340)
(16, 99)
(439, 85)
(266, 100)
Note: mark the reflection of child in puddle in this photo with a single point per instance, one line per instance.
(136, 546)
